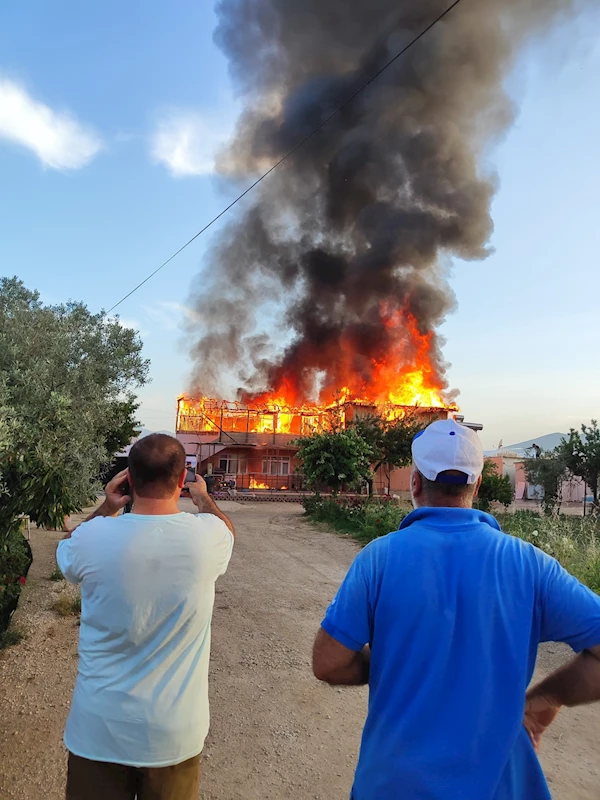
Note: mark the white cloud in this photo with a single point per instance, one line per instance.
(170, 315)
(187, 142)
(56, 137)
(129, 323)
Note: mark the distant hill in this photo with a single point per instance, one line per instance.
(147, 432)
(547, 442)
(142, 432)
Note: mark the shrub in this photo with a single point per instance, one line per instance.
(11, 636)
(334, 459)
(15, 560)
(67, 606)
(494, 488)
(56, 574)
(363, 518)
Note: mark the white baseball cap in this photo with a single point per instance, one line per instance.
(446, 445)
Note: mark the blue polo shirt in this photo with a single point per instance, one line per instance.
(453, 610)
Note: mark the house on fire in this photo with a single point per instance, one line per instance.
(253, 447)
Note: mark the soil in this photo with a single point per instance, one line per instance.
(276, 732)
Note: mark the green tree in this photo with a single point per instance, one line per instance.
(334, 459)
(67, 403)
(549, 471)
(389, 440)
(494, 487)
(581, 454)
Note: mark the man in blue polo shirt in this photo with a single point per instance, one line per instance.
(443, 619)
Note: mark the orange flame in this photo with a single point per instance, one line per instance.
(254, 484)
(405, 375)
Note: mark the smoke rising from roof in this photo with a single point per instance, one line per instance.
(357, 227)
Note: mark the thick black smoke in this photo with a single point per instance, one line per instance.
(362, 219)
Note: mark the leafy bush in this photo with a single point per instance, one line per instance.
(56, 574)
(334, 459)
(365, 519)
(494, 488)
(15, 560)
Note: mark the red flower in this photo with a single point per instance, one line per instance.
(22, 580)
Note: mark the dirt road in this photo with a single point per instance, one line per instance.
(276, 733)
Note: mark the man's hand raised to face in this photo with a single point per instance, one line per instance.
(116, 491)
(204, 502)
(197, 489)
(114, 500)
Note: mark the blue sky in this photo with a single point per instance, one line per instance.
(110, 113)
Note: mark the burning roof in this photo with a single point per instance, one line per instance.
(270, 415)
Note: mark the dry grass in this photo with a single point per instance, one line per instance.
(67, 606)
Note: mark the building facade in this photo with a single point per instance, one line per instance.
(254, 449)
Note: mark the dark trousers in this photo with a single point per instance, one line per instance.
(97, 780)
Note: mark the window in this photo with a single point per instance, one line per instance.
(276, 465)
(233, 465)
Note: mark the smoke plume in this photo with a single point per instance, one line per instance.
(336, 263)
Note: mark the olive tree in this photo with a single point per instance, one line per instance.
(549, 471)
(580, 451)
(67, 403)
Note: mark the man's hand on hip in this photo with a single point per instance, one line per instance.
(540, 713)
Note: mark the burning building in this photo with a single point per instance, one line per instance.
(330, 279)
(252, 445)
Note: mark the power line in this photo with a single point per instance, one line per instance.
(290, 153)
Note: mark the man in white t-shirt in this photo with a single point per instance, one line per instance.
(139, 714)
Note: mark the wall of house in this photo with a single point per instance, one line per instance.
(399, 481)
(257, 471)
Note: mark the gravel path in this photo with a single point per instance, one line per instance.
(276, 733)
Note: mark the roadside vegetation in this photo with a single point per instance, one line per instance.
(573, 541)
(348, 460)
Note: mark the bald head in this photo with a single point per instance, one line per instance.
(156, 464)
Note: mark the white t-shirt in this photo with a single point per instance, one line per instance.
(147, 596)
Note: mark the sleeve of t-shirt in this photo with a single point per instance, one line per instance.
(570, 611)
(348, 618)
(221, 539)
(70, 555)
